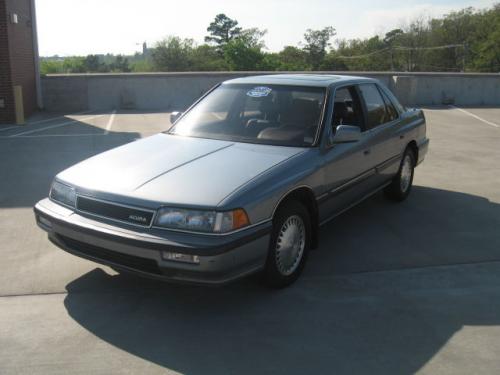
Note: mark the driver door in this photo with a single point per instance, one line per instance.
(348, 170)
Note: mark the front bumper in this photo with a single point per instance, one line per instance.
(222, 258)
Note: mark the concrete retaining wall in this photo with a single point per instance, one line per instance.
(169, 91)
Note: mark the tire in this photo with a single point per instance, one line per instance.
(400, 186)
(284, 264)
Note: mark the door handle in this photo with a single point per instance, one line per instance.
(367, 152)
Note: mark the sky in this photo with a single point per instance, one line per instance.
(81, 27)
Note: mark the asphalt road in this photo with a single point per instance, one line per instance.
(393, 288)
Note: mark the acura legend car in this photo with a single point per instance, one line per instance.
(241, 182)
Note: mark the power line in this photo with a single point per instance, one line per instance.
(428, 48)
(401, 48)
(361, 56)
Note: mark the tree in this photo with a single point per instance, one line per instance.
(244, 52)
(207, 58)
(416, 37)
(51, 66)
(293, 59)
(390, 41)
(172, 54)
(270, 62)
(240, 56)
(120, 64)
(74, 64)
(316, 43)
(468, 39)
(143, 65)
(253, 37)
(222, 30)
(333, 62)
(93, 64)
(486, 43)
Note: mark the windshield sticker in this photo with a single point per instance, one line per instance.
(259, 92)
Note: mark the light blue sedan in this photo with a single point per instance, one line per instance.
(242, 181)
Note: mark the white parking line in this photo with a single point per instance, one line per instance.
(10, 127)
(110, 122)
(57, 135)
(57, 125)
(56, 117)
(44, 120)
(476, 117)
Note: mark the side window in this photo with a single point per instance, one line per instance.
(347, 108)
(400, 108)
(375, 106)
(392, 114)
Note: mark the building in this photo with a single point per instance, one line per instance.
(19, 71)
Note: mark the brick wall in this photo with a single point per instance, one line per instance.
(16, 57)
(6, 113)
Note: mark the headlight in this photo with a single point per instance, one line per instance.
(201, 221)
(63, 194)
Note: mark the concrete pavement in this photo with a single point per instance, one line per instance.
(393, 288)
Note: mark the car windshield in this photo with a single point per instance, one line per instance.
(268, 114)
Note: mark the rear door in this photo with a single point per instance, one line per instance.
(382, 122)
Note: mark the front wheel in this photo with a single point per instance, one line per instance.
(289, 245)
(400, 186)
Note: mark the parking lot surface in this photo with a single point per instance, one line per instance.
(393, 288)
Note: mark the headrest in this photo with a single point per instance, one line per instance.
(303, 112)
(340, 110)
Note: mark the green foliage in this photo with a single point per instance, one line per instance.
(392, 37)
(253, 37)
(88, 64)
(465, 40)
(269, 62)
(222, 30)
(316, 44)
(74, 65)
(241, 56)
(120, 64)
(172, 54)
(51, 66)
(293, 59)
(483, 48)
(144, 65)
(244, 52)
(93, 64)
(207, 58)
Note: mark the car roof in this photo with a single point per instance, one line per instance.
(315, 80)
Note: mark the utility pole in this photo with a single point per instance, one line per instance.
(464, 46)
(392, 58)
(409, 60)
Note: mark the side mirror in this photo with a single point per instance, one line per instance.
(345, 134)
(174, 116)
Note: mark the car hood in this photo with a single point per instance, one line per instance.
(175, 170)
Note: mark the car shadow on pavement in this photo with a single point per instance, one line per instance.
(344, 316)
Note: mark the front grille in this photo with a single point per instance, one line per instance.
(99, 253)
(130, 215)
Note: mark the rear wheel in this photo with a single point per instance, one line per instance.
(400, 186)
(289, 245)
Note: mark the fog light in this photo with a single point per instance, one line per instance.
(46, 223)
(178, 257)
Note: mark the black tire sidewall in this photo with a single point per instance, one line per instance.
(393, 191)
